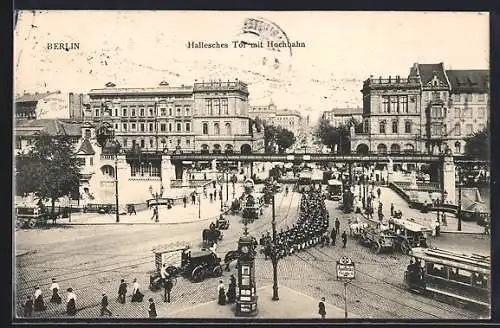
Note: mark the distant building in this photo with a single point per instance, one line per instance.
(285, 118)
(33, 105)
(340, 116)
(430, 111)
(77, 104)
(25, 131)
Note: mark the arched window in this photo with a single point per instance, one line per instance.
(205, 128)
(458, 147)
(216, 129)
(408, 127)
(394, 126)
(395, 148)
(228, 129)
(382, 149)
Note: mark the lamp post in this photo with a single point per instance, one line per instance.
(274, 250)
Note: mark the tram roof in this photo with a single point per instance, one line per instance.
(334, 182)
(472, 263)
(410, 225)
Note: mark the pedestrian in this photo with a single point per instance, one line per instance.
(337, 224)
(38, 304)
(122, 291)
(333, 236)
(137, 296)
(55, 292)
(231, 291)
(344, 239)
(184, 200)
(168, 288)
(71, 302)
(222, 293)
(213, 183)
(443, 218)
(321, 308)
(392, 209)
(155, 213)
(220, 194)
(104, 305)
(211, 197)
(193, 199)
(486, 226)
(438, 228)
(152, 308)
(28, 306)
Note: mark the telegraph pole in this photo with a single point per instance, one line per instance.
(274, 257)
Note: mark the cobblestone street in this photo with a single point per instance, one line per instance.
(93, 259)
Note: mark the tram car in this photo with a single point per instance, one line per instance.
(409, 234)
(334, 189)
(460, 279)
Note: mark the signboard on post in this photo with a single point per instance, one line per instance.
(345, 269)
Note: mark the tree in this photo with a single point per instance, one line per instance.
(49, 169)
(279, 136)
(478, 145)
(331, 136)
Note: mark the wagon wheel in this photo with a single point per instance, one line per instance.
(376, 247)
(217, 271)
(198, 274)
(171, 270)
(405, 247)
(32, 223)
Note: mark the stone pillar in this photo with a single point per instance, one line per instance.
(449, 179)
(123, 173)
(167, 171)
(390, 171)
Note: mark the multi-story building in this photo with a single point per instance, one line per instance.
(32, 106)
(468, 106)
(285, 118)
(340, 116)
(391, 116)
(430, 111)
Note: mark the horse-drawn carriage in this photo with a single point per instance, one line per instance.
(222, 223)
(378, 240)
(211, 236)
(180, 261)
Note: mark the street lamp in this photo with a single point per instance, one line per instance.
(274, 250)
(459, 209)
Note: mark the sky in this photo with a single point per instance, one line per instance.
(143, 48)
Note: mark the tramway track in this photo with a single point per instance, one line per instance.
(401, 290)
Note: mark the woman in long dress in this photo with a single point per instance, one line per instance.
(38, 304)
(222, 293)
(55, 292)
(137, 296)
(71, 302)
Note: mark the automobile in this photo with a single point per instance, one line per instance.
(180, 261)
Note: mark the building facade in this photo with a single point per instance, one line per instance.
(431, 111)
(341, 116)
(285, 118)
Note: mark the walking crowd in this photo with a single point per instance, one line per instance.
(36, 302)
(311, 228)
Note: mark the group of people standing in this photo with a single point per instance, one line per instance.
(37, 303)
(229, 296)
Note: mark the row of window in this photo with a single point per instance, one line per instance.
(144, 170)
(150, 127)
(163, 143)
(395, 104)
(459, 275)
(142, 111)
(468, 112)
(216, 106)
(383, 123)
(216, 128)
(481, 97)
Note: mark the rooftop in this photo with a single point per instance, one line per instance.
(427, 71)
(346, 111)
(32, 97)
(469, 81)
(50, 126)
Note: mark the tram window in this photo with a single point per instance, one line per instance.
(460, 275)
(437, 270)
(479, 280)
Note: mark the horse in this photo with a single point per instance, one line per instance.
(210, 236)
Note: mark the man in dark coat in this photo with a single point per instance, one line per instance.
(337, 224)
(231, 291)
(28, 307)
(122, 291)
(184, 200)
(321, 308)
(168, 288)
(104, 305)
(333, 236)
(344, 239)
(152, 308)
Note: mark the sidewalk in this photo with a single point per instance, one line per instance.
(388, 196)
(291, 305)
(176, 215)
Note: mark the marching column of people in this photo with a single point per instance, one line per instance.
(311, 228)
